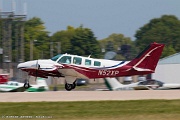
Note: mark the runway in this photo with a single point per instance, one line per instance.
(88, 95)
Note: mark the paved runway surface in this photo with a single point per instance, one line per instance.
(88, 95)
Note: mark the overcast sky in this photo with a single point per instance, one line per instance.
(104, 17)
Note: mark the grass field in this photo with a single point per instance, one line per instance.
(93, 110)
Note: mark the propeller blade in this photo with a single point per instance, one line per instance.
(37, 68)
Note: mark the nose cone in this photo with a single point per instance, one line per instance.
(29, 64)
(20, 65)
(43, 64)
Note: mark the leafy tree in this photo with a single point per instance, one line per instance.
(169, 50)
(0, 32)
(0, 40)
(35, 32)
(79, 41)
(115, 39)
(109, 46)
(162, 30)
(115, 42)
(64, 37)
(84, 43)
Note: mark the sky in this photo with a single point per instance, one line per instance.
(103, 17)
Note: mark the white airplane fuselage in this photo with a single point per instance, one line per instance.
(73, 66)
(54, 65)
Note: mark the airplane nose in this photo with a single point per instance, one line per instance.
(20, 65)
(26, 64)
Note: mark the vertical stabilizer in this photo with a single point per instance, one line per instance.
(148, 58)
(112, 83)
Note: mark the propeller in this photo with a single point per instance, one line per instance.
(37, 68)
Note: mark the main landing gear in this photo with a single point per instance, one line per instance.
(69, 87)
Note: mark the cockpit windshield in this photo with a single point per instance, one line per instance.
(56, 57)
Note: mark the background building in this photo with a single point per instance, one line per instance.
(168, 69)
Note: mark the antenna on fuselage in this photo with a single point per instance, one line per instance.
(89, 55)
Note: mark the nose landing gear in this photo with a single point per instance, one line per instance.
(26, 85)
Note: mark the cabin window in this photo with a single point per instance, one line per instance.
(56, 57)
(97, 63)
(87, 62)
(77, 60)
(65, 59)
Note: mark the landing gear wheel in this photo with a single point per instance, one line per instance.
(74, 85)
(26, 85)
(69, 87)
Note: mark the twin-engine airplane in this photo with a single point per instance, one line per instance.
(72, 66)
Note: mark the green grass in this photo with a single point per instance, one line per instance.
(94, 110)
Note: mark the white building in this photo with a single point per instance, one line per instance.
(168, 69)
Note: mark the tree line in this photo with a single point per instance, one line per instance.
(82, 41)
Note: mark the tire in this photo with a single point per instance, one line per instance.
(26, 85)
(74, 85)
(68, 87)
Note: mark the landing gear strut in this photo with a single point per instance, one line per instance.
(69, 87)
(26, 84)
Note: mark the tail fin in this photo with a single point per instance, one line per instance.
(112, 83)
(148, 58)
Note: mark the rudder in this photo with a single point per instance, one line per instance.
(148, 58)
